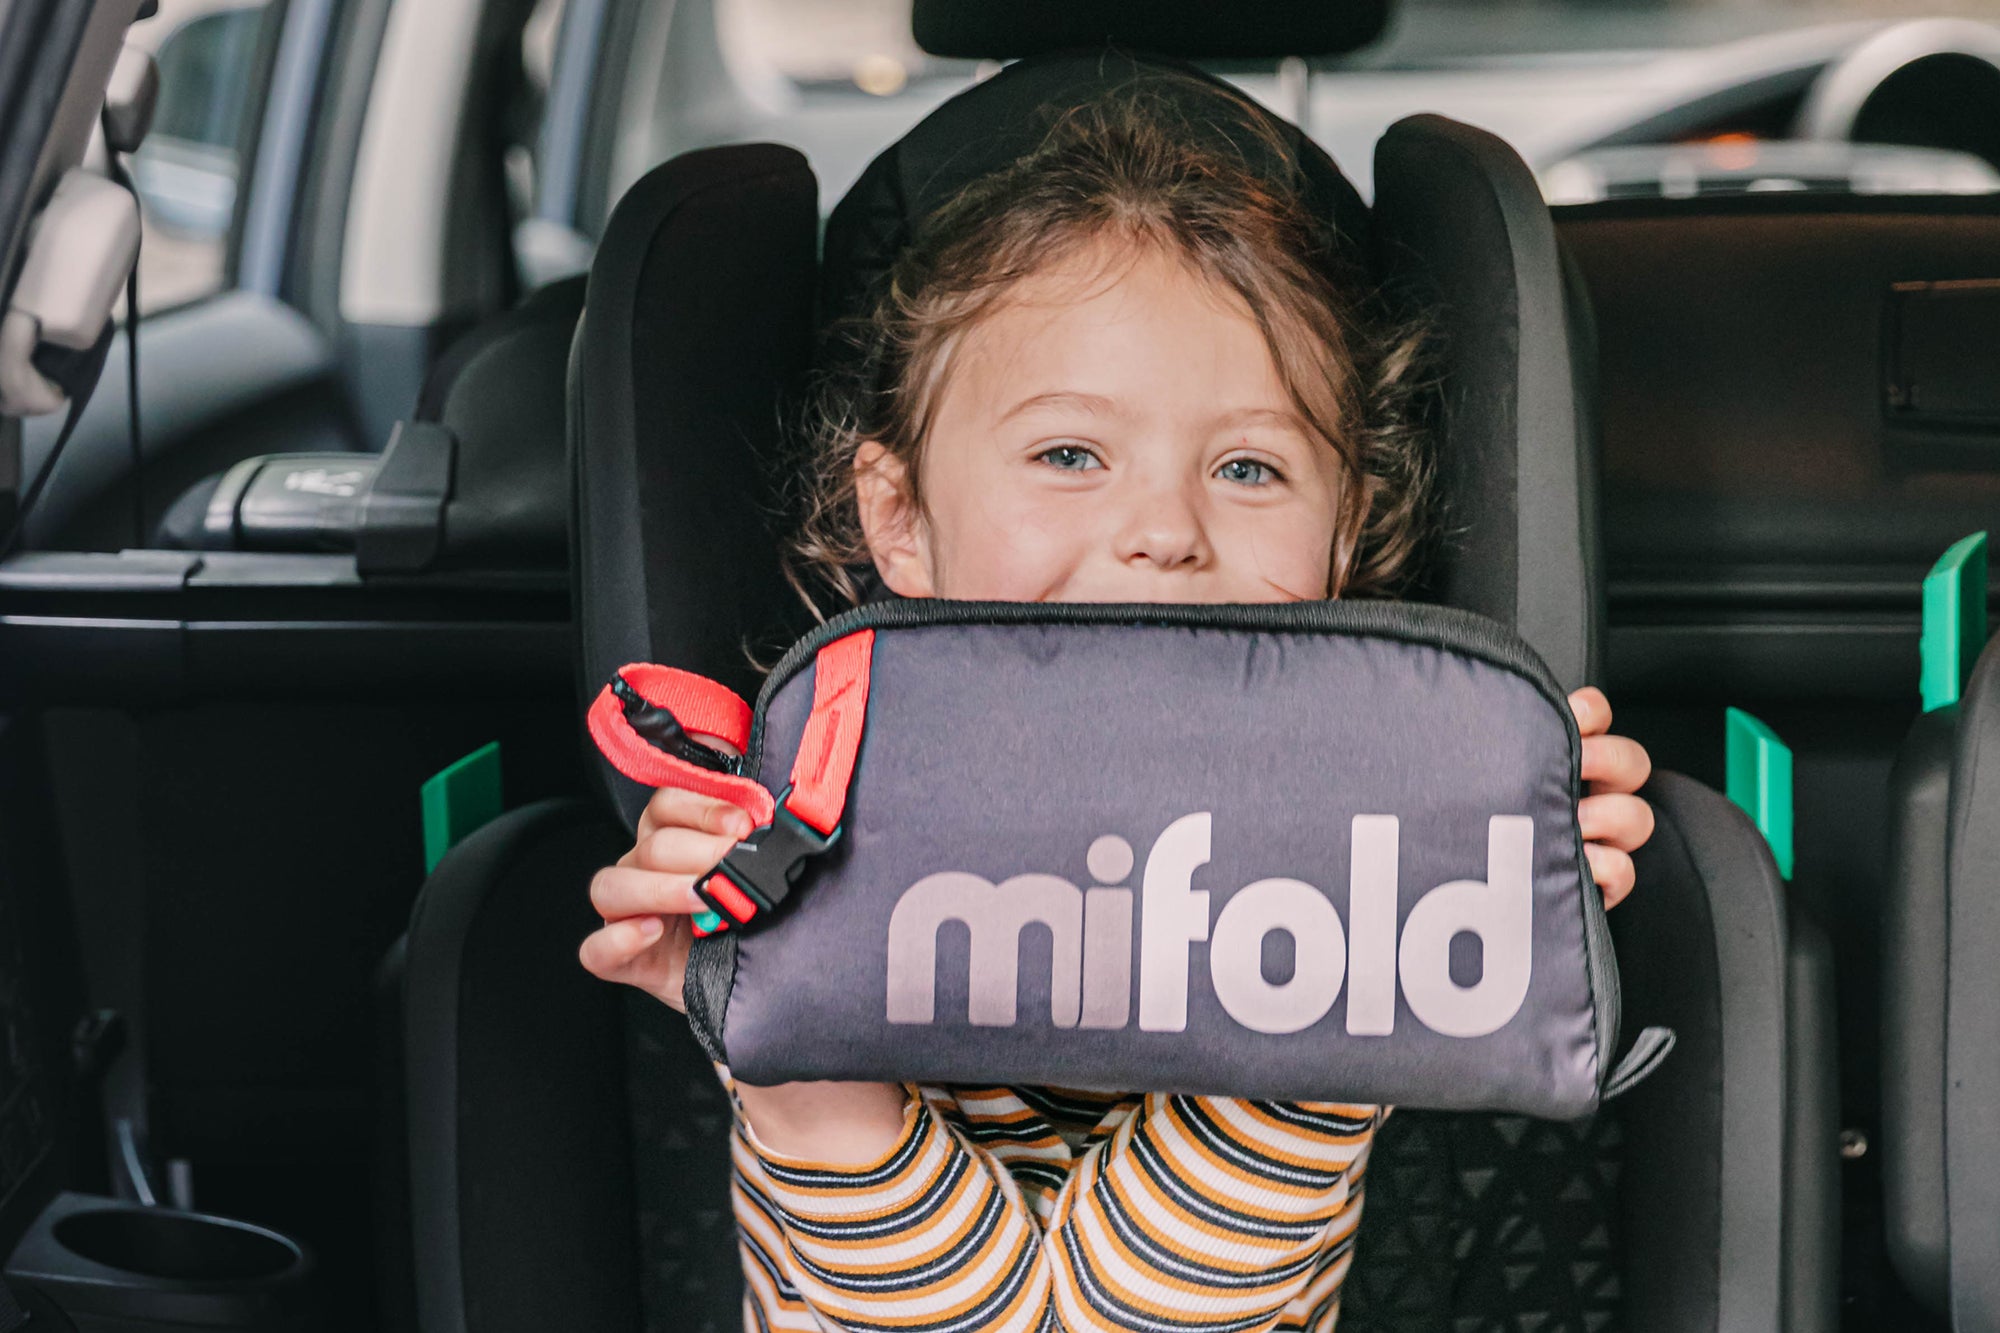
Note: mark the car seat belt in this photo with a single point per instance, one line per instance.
(115, 169)
(642, 722)
(76, 373)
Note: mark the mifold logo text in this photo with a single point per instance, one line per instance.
(1092, 962)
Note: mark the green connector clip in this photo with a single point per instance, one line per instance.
(458, 800)
(1954, 621)
(708, 922)
(1760, 781)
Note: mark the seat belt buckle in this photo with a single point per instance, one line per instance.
(758, 873)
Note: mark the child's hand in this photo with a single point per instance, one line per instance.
(647, 898)
(1615, 822)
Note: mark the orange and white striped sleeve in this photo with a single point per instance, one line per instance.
(1198, 1215)
(934, 1235)
(1213, 1213)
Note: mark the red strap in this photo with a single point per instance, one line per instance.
(827, 752)
(700, 705)
(821, 772)
(703, 707)
(832, 742)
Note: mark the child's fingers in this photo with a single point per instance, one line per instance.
(1592, 709)
(643, 952)
(609, 952)
(1624, 822)
(678, 851)
(672, 807)
(1615, 764)
(1612, 869)
(622, 891)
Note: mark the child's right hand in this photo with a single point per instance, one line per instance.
(647, 898)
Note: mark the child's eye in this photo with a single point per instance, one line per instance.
(1248, 472)
(1070, 458)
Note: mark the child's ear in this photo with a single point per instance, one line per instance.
(891, 522)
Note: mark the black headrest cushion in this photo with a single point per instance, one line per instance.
(993, 124)
(1264, 30)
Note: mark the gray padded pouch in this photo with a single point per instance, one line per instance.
(1319, 851)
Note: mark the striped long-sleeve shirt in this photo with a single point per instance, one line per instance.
(1012, 1210)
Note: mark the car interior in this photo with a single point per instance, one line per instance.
(463, 337)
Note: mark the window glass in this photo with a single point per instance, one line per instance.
(189, 168)
(547, 246)
(862, 44)
(527, 104)
(1605, 99)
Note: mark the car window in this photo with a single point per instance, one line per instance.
(856, 45)
(547, 245)
(539, 38)
(1605, 99)
(190, 167)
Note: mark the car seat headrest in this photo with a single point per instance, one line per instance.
(1464, 240)
(1264, 30)
(996, 122)
(698, 328)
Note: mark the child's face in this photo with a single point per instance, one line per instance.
(1116, 432)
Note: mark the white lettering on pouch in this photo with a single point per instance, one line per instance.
(1090, 981)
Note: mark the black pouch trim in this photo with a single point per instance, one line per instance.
(705, 987)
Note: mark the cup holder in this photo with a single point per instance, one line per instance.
(176, 1247)
(109, 1264)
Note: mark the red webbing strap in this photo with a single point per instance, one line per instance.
(701, 706)
(832, 741)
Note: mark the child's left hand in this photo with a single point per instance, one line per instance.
(1615, 822)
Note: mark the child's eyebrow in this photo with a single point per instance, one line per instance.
(1261, 416)
(1099, 405)
(1093, 403)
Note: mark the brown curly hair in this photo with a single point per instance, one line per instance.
(1135, 169)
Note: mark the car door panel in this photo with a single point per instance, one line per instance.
(221, 380)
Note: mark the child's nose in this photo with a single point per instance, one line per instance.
(1163, 530)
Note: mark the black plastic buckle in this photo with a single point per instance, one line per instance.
(764, 866)
(659, 728)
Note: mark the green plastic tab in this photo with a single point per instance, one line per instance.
(1759, 769)
(458, 800)
(1954, 621)
(708, 921)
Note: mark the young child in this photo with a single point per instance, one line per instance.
(1128, 370)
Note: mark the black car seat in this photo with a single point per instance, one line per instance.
(569, 1166)
(1940, 1006)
